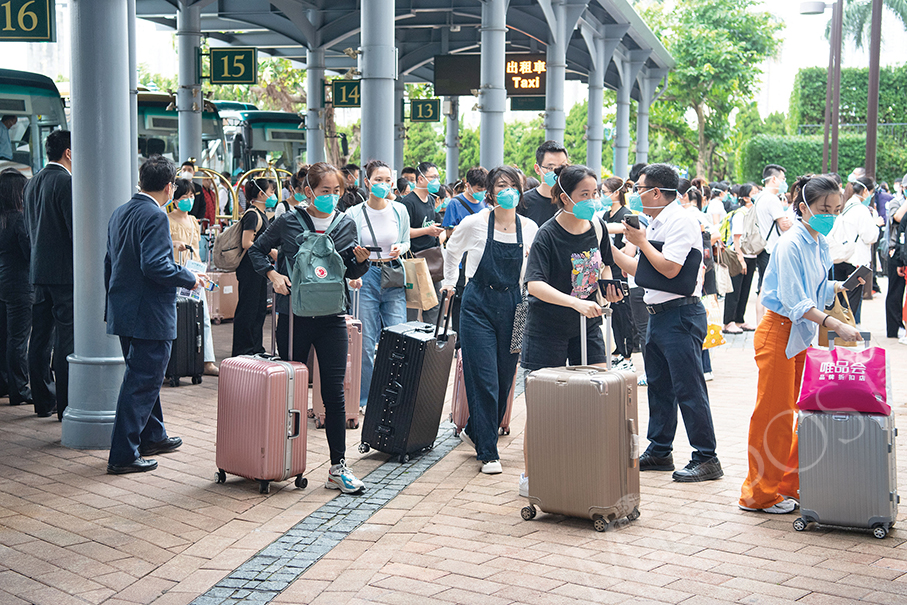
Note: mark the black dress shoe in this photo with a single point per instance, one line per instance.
(648, 462)
(139, 465)
(47, 413)
(170, 444)
(693, 472)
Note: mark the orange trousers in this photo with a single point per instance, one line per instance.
(773, 460)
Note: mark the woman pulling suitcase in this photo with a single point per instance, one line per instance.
(498, 242)
(323, 327)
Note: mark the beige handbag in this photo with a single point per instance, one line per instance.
(840, 310)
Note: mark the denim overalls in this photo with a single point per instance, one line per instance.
(486, 327)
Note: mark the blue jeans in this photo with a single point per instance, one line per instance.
(378, 308)
(674, 371)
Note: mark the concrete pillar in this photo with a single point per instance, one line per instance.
(314, 120)
(648, 84)
(622, 131)
(452, 141)
(101, 139)
(399, 126)
(189, 103)
(595, 125)
(133, 95)
(379, 70)
(492, 95)
(555, 118)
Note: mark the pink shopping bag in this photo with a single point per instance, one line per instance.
(842, 380)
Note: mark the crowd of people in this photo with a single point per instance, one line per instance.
(500, 236)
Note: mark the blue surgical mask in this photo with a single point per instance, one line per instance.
(434, 186)
(185, 204)
(549, 178)
(443, 205)
(478, 196)
(584, 209)
(380, 190)
(326, 203)
(823, 223)
(298, 197)
(356, 182)
(782, 188)
(634, 202)
(271, 201)
(867, 201)
(508, 198)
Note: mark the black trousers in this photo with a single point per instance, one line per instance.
(622, 326)
(15, 326)
(328, 336)
(894, 300)
(251, 309)
(735, 302)
(640, 318)
(52, 316)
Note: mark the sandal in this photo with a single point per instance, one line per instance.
(747, 328)
(732, 331)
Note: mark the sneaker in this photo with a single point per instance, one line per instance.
(902, 340)
(524, 485)
(709, 377)
(465, 439)
(492, 467)
(625, 365)
(341, 477)
(693, 472)
(902, 333)
(642, 381)
(648, 462)
(782, 508)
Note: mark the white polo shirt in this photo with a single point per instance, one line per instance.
(680, 232)
(769, 209)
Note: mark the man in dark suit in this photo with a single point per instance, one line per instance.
(141, 280)
(48, 218)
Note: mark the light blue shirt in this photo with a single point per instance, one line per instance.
(796, 281)
(6, 146)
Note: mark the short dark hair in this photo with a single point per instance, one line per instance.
(183, 186)
(156, 173)
(506, 171)
(255, 186)
(635, 171)
(9, 117)
(772, 170)
(549, 146)
(407, 170)
(189, 164)
(349, 169)
(402, 185)
(56, 144)
(664, 177)
(476, 176)
(424, 167)
(568, 179)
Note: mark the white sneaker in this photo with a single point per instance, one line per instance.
(902, 340)
(902, 333)
(782, 508)
(524, 485)
(709, 377)
(642, 381)
(341, 477)
(492, 467)
(465, 439)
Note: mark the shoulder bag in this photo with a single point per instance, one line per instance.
(392, 273)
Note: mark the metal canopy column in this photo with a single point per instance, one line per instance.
(379, 70)
(189, 103)
(628, 65)
(452, 140)
(101, 139)
(648, 83)
(561, 17)
(133, 95)
(314, 119)
(492, 95)
(399, 127)
(601, 41)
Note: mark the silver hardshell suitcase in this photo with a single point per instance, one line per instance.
(848, 473)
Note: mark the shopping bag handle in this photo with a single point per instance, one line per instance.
(833, 335)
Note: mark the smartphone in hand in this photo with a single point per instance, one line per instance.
(620, 285)
(632, 220)
(853, 280)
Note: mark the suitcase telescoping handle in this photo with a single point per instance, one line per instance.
(447, 315)
(833, 335)
(354, 301)
(274, 324)
(583, 345)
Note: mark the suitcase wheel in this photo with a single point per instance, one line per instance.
(221, 476)
(310, 413)
(800, 524)
(634, 515)
(600, 524)
(174, 381)
(879, 531)
(352, 423)
(364, 448)
(528, 513)
(264, 487)
(301, 482)
(404, 458)
(197, 379)
(318, 423)
(504, 430)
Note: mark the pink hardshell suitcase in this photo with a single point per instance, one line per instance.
(352, 381)
(261, 431)
(459, 408)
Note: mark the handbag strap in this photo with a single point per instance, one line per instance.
(369, 224)
(462, 200)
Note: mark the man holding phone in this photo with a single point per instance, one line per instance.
(677, 326)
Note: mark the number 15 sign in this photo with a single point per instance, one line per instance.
(230, 65)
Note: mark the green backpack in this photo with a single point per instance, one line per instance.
(317, 275)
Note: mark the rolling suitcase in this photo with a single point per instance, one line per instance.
(187, 354)
(848, 469)
(406, 399)
(261, 433)
(352, 379)
(222, 300)
(582, 442)
(459, 407)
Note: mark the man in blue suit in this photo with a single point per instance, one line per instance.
(141, 279)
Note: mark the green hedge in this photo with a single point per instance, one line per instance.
(807, 100)
(803, 155)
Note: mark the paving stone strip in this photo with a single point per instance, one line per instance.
(279, 564)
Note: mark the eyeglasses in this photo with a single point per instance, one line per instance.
(550, 168)
(643, 189)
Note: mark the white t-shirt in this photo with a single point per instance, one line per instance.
(737, 227)
(471, 236)
(680, 233)
(768, 210)
(322, 224)
(858, 224)
(384, 223)
(715, 211)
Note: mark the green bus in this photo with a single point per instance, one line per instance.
(255, 138)
(38, 107)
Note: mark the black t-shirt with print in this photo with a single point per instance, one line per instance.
(569, 263)
(421, 213)
(537, 207)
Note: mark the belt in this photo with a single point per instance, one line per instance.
(671, 304)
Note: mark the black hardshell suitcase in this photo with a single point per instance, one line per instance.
(409, 384)
(187, 354)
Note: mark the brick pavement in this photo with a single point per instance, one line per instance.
(69, 533)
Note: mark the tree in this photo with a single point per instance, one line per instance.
(718, 48)
(469, 152)
(858, 18)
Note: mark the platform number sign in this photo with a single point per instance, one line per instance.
(425, 110)
(234, 65)
(27, 21)
(346, 93)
